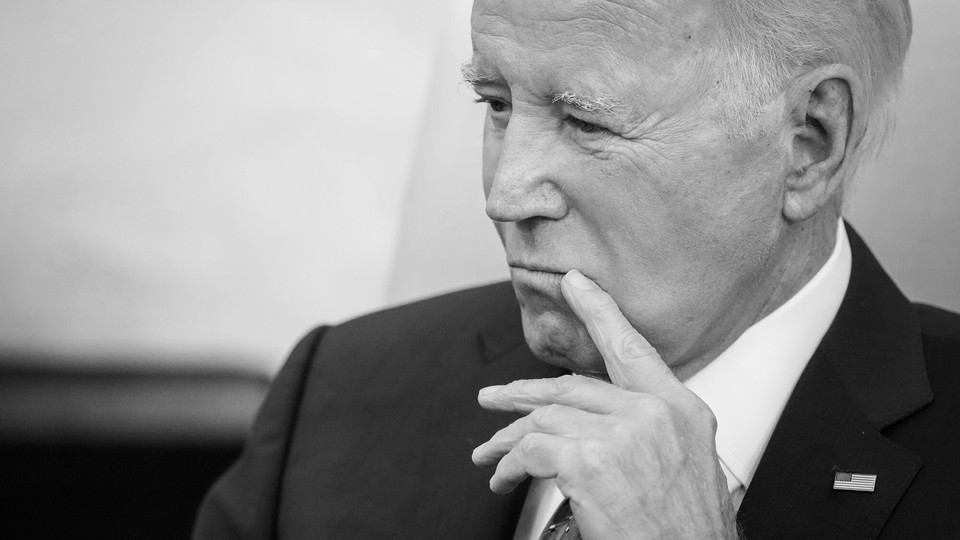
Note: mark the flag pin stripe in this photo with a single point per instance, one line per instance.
(845, 481)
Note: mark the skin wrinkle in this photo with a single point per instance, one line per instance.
(634, 122)
(664, 217)
(595, 14)
(617, 22)
(586, 32)
(630, 8)
(621, 58)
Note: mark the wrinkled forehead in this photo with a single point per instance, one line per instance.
(604, 34)
(646, 26)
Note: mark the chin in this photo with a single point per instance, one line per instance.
(558, 338)
(552, 331)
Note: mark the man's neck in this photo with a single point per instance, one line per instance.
(804, 256)
(805, 248)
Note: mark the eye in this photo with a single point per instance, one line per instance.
(584, 126)
(496, 105)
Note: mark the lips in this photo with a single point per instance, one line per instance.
(535, 280)
(537, 268)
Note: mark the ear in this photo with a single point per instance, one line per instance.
(824, 126)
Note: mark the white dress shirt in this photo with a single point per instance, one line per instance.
(747, 386)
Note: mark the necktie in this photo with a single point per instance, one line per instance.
(562, 526)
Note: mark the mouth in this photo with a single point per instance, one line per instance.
(536, 268)
(534, 277)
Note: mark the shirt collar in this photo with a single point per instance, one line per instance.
(748, 385)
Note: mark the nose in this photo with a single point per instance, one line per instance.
(525, 182)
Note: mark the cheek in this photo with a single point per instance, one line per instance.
(624, 198)
(672, 214)
(706, 191)
(492, 141)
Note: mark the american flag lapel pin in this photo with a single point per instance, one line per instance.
(845, 481)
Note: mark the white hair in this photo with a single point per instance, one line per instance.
(585, 103)
(762, 43)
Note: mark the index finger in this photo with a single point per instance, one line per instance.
(632, 363)
(576, 391)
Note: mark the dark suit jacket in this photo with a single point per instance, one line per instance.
(368, 429)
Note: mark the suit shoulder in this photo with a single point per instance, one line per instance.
(468, 305)
(431, 323)
(941, 348)
(939, 323)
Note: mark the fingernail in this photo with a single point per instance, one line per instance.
(489, 390)
(578, 280)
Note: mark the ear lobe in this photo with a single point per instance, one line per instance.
(822, 121)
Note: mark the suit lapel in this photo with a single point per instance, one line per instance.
(820, 432)
(867, 374)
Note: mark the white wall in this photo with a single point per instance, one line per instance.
(209, 179)
(907, 204)
(446, 241)
(202, 178)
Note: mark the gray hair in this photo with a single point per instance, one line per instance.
(763, 42)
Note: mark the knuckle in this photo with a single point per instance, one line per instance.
(704, 414)
(593, 455)
(656, 415)
(564, 385)
(711, 420)
(544, 416)
(607, 311)
(503, 433)
(504, 466)
(516, 387)
(631, 345)
(530, 444)
(656, 407)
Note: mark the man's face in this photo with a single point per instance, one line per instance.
(602, 153)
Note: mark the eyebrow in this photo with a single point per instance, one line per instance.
(474, 77)
(590, 104)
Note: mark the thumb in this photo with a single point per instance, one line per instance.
(632, 363)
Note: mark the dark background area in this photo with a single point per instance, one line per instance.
(115, 453)
(106, 490)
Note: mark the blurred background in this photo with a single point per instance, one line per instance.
(188, 187)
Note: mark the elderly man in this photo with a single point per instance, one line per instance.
(667, 179)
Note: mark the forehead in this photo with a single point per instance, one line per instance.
(655, 23)
(554, 41)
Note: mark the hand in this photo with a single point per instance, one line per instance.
(637, 458)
